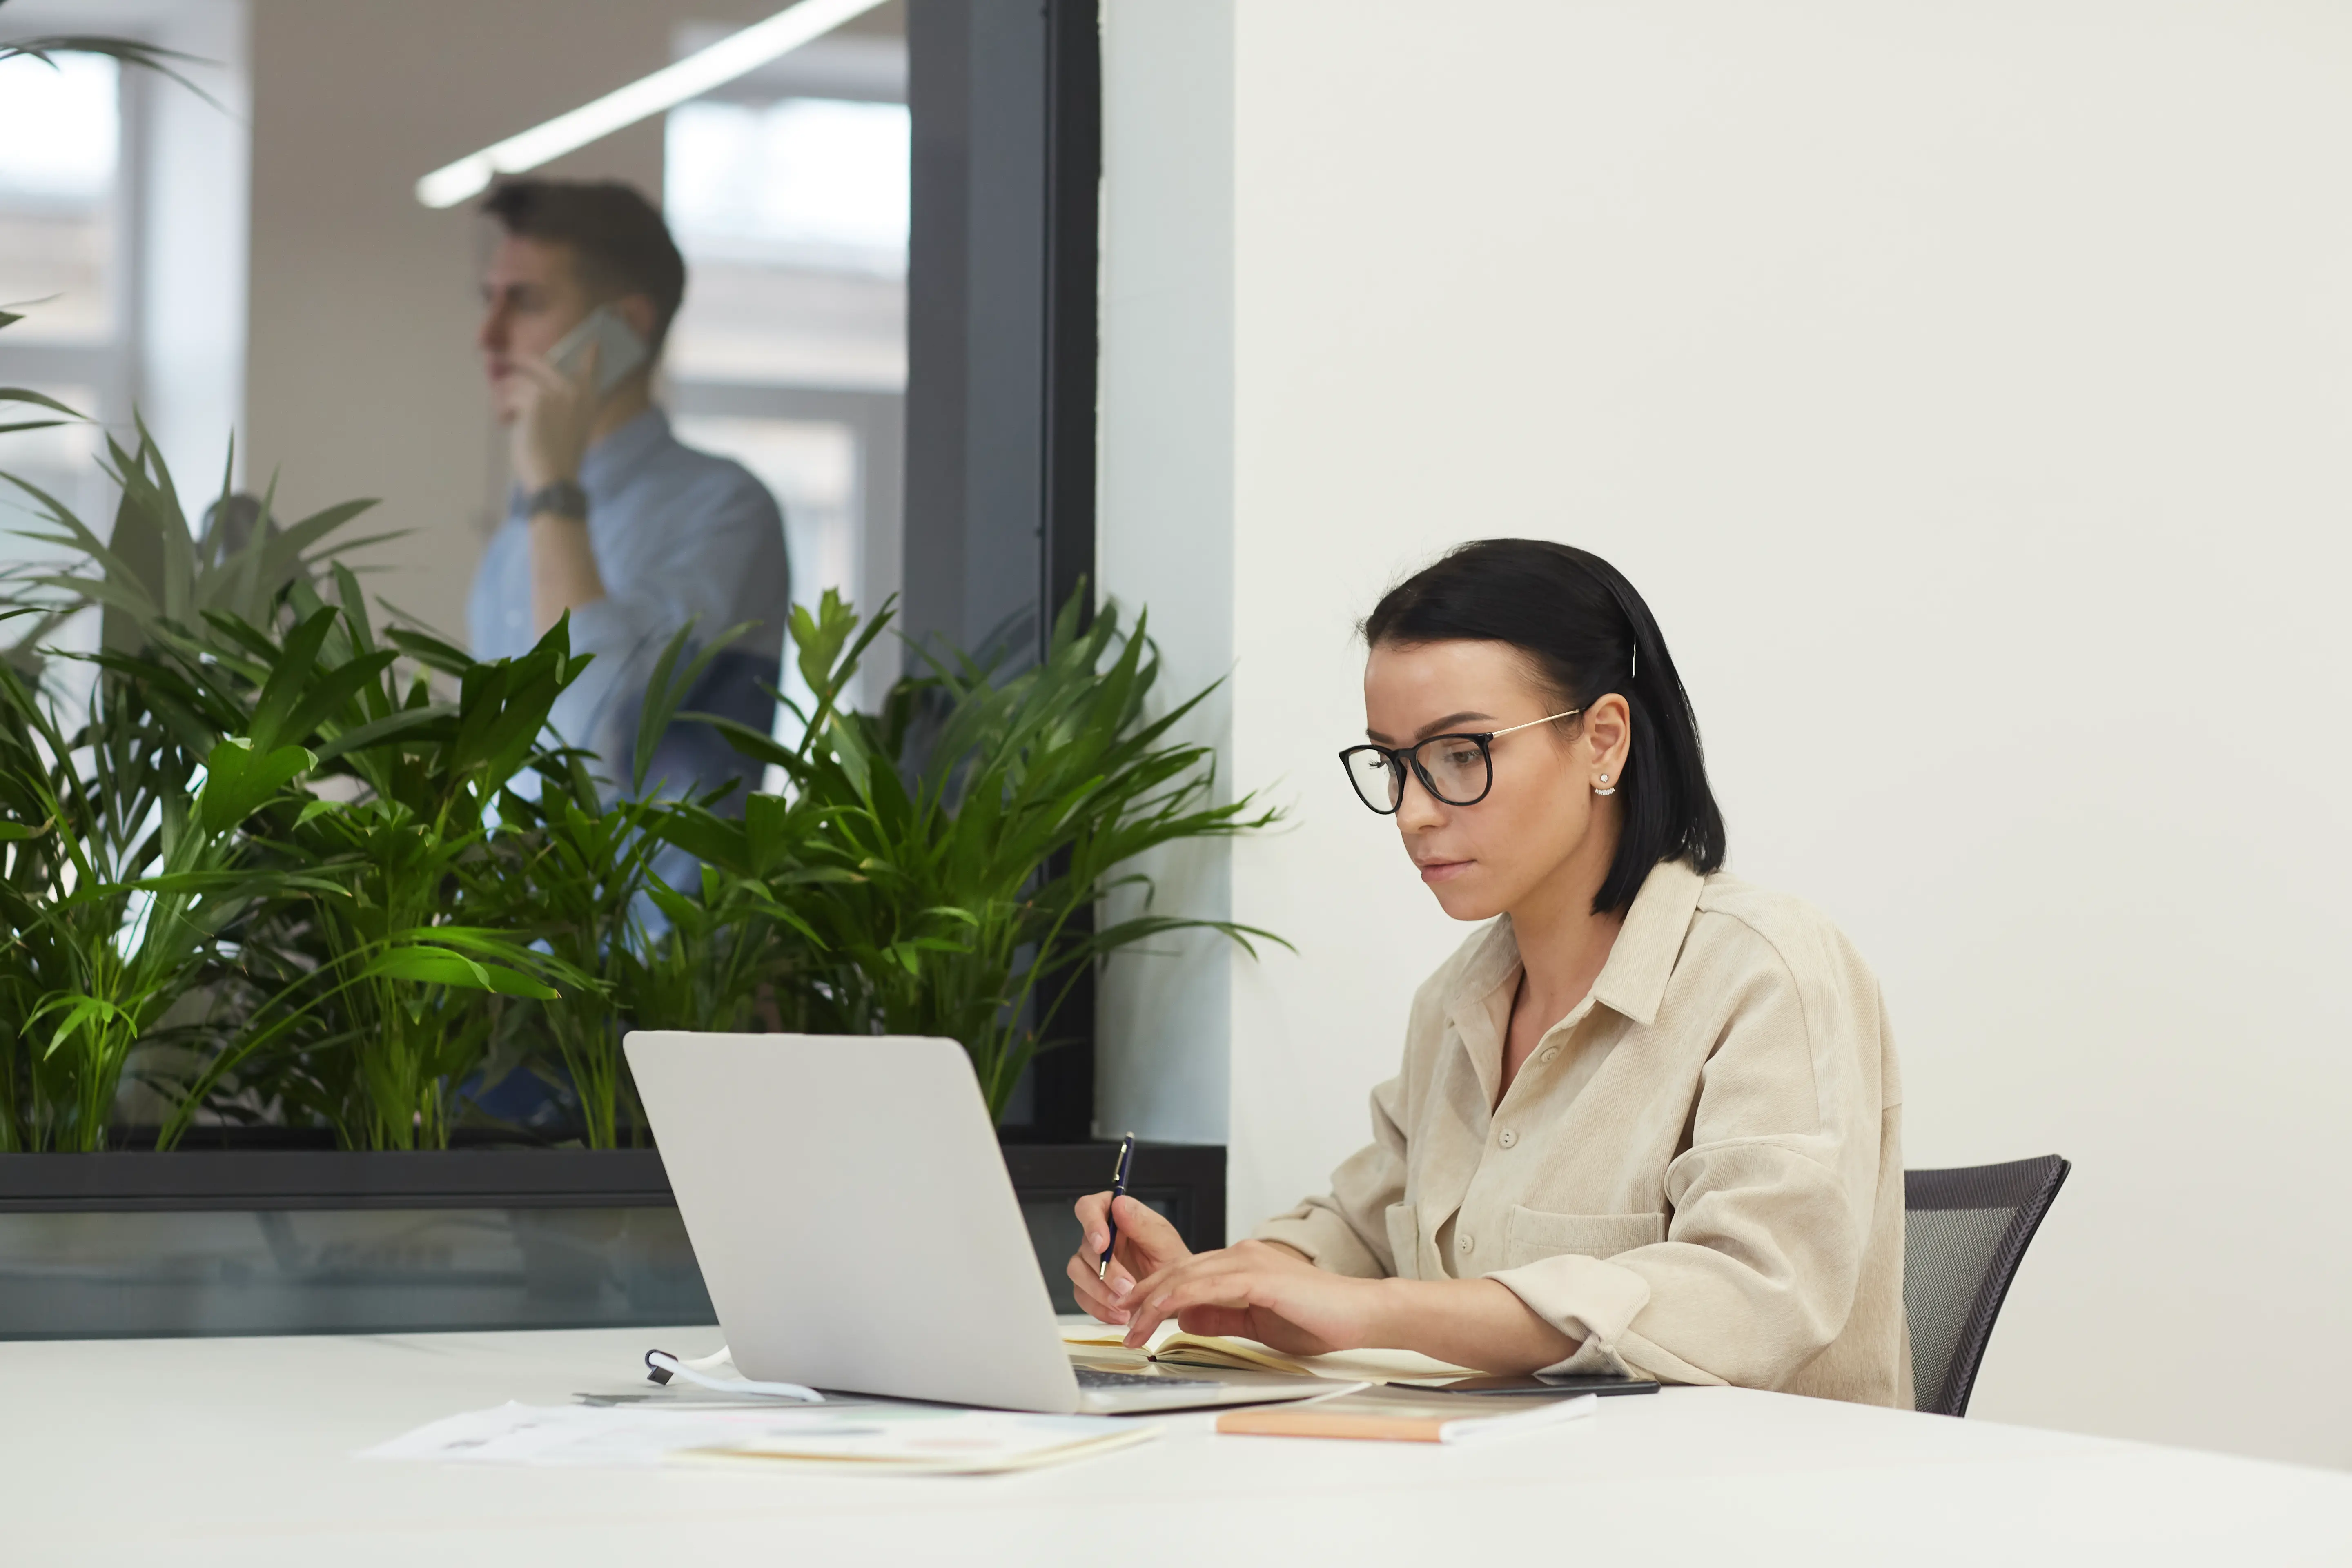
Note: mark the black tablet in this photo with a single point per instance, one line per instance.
(1541, 1382)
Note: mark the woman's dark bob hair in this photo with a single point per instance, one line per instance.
(1586, 633)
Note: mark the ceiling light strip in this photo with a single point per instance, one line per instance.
(735, 55)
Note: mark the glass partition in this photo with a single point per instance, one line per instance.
(344, 1271)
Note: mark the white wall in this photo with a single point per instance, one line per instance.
(1967, 388)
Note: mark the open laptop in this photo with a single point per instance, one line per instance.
(858, 1231)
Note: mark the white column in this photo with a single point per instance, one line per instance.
(1164, 542)
(195, 170)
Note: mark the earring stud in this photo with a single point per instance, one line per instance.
(1604, 786)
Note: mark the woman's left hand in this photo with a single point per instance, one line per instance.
(1258, 1291)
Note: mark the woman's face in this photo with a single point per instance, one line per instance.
(1541, 836)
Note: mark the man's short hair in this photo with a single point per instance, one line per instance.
(618, 240)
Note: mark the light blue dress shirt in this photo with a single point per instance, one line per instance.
(679, 536)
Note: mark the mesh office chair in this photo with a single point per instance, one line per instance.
(1964, 1233)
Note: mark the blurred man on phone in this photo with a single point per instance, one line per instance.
(610, 520)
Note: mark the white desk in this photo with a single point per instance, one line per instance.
(236, 1451)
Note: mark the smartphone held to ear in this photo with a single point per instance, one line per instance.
(619, 350)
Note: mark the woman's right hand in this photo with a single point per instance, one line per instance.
(1147, 1244)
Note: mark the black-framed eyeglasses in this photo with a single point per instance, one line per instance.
(1456, 769)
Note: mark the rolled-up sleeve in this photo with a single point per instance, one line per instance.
(1771, 1203)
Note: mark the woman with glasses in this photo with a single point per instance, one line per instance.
(1648, 1121)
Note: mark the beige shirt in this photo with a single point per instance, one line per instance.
(1697, 1174)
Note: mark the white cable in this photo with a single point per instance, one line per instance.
(665, 1366)
(721, 1359)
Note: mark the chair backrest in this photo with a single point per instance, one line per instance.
(1964, 1233)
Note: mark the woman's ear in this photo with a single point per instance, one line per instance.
(1608, 739)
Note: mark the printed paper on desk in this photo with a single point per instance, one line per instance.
(871, 1439)
(631, 1434)
(903, 1441)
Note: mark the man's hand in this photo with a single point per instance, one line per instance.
(1147, 1244)
(554, 414)
(1261, 1291)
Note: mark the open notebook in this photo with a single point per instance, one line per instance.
(1396, 1369)
(1175, 1348)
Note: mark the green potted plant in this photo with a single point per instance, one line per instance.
(313, 880)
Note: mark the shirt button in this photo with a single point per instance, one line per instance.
(1462, 1245)
(1549, 1052)
(1509, 1138)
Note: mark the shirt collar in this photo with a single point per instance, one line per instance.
(1634, 980)
(1641, 960)
(623, 449)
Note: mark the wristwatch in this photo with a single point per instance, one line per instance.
(563, 497)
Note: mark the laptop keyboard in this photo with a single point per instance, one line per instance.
(1096, 1377)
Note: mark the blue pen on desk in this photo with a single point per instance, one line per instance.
(1118, 1191)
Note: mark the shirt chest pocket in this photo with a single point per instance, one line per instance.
(1535, 1233)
